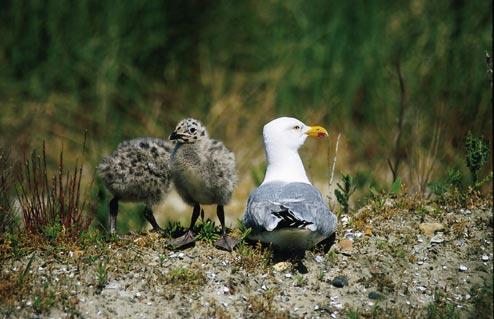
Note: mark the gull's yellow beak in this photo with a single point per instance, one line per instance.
(316, 131)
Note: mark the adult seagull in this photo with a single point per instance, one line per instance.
(286, 210)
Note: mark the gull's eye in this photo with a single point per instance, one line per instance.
(297, 127)
(192, 130)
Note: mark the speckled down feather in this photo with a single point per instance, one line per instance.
(204, 172)
(138, 170)
(203, 169)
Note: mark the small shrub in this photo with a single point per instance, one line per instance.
(50, 206)
(44, 300)
(252, 259)
(185, 278)
(477, 154)
(343, 192)
(207, 232)
(101, 275)
(441, 308)
(173, 229)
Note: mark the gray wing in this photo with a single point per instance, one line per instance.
(280, 205)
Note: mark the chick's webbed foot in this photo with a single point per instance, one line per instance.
(183, 241)
(226, 243)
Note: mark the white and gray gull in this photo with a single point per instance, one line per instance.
(286, 210)
(203, 172)
(137, 170)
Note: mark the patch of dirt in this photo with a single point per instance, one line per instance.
(387, 265)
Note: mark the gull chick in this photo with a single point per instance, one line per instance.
(203, 172)
(137, 171)
(286, 211)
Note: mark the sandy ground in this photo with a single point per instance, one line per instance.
(432, 262)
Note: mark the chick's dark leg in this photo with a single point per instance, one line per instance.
(148, 213)
(225, 242)
(113, 214)
(188, 238)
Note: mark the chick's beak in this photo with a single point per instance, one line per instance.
(316, 131)
(174, 136)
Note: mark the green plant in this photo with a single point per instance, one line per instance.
(395, 187)
(207, 231)
(344, 191)
(245, 231)
(441, 308)
(173, 229)
(482, 300)
(477, 154)
(332, 256)
(185, 278)
(43, 300)
(162, 259)
(352, 314)
(23, 275)
(101, 275)
(299, 280)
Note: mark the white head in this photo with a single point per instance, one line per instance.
(282, 139)
(288, 132)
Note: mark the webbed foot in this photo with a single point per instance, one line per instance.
(183, 241)
(226, 243)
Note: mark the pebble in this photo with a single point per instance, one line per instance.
(349, 235)
(374, 295)
(437, 239)
(319, 259)
(485, 257)
(289, 275)
(340, 282)
(281, 266)
(463, 268)
(346, 246)
(421, 288)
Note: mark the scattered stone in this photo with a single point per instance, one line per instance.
(421, 288)
(437, 239)
(340, 281)
(368, 231)
(346, 246)
(281, 266)
(463, 268)
(349, 235)
(430, 228)
(319, 259)
(374, 295)
(485, 257)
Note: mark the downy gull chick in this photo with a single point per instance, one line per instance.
(137, 170)
(203, 172)
(286, 211)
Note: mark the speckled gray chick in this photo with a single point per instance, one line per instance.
(137, 170)
(203, 172)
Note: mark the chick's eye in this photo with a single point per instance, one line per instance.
(297, 127)
(192, 130)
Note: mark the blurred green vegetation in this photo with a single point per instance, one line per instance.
(122, 69)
